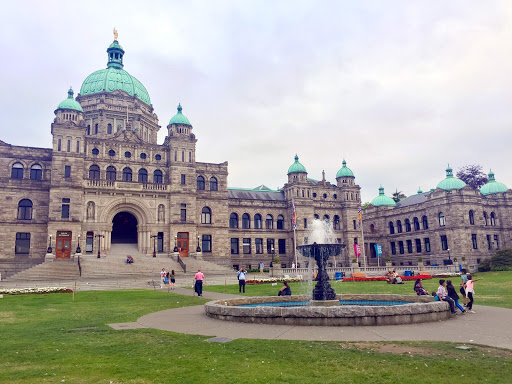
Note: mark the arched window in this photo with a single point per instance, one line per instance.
(424, 219)
(407, 225)
(157, 177)
(95, 151)
(96, 128)
(246, 221)
(485, 219)
(143, 176)
(206, 215)
(109, 129)
(17, 171)
(493, 219)
(327, 218)
(471, 217)
(111, 173)
(127, 174)
(200, 183)
(213, 184)
(88, 129)
(94, 172)
(442, 220)
(280, 222)
(25, 210)
(372, 228)
(391, 228)
(233, 220)
(316, 217)
(269, 222)
(416, 224)
(337, 223)
(111, 153)
(399, 226)
(36, 172)
(257, 221)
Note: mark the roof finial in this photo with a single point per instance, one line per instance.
(115, 33)
(179, 107)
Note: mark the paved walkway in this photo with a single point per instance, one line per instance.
(488, 326)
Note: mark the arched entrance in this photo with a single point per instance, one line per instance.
(124, 228)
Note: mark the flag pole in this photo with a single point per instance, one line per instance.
(294, 225)
(362, 235)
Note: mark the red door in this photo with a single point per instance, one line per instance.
(183, 243)
(63, 245)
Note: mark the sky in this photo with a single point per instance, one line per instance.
(399, 89)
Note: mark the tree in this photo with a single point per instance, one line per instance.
(397, 196)
(472, 175)
(364, 206)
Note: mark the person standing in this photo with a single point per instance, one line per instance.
(166, 281)
(464, 279)
(470, 292)
(173, 279)
(442, 293)
(199, 282)
(261, 266)
(162, 277)
(241, 280)
(453, 294)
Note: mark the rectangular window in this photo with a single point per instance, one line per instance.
(206, 243)
(305, 223)
(65, 208)
(474, 241)
(22, 243)
(59, 145)
(305, 240)
(258, 244)
(246, 246)
(69, 146)
(190, 157)
(401, 247)
(183, 156)
(183, 179)
(355, 225)
(270, 246)
(496, 242)
(183, 214)
(393, 248)
(426, 240)
(67, 171)
(175, 155)
(281, 243)
(234, 246)
(418, 245)
(409, 246)
(78, 146)
(444, 242)
(355, 240)
(489, 243)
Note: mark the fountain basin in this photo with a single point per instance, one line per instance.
(416, 309)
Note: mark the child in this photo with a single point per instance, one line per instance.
(453, 294)
(470, 291)
(442, 293)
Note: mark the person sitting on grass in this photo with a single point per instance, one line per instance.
(285, 290)
(442, 293)
(418, 287)
(389, 277)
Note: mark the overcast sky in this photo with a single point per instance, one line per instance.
(397, 88)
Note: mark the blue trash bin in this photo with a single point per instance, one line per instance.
(407, 273)
(338, 276)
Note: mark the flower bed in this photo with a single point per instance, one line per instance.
(274, 280)
(35, 291)
(384, 278)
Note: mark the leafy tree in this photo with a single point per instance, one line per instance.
(398, 195)
(365, 205)
(472, 175)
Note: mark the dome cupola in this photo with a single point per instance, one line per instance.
(344, 171)
(179, 118)
(382, 200)
(70, 102)
(451, 182)
(296, 166)
(492, 186)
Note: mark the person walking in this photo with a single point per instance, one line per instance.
(198, 287)
(453, 294)
(241, 280)
(166, 280)
(162, 277)
(470, 292)
(442, 293)
(173, 279)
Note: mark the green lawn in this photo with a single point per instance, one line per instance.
(38, 343)
(495, 290)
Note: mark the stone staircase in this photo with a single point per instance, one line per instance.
(61, 270)
(10, 267)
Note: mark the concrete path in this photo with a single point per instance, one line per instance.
(488, 326)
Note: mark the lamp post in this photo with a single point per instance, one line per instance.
(175, 247)
(78, 249)
(154, 244)
(99, 244)
(449, 258)
(49, 250)
(198, 249)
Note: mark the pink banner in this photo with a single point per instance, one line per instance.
(357, 250)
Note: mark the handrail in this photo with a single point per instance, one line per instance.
(79, 266)
(180, 262)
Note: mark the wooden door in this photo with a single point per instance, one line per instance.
(183, 243)
(63, 245)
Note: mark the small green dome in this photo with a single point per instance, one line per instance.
(382, 200)
(344, 171)
(296, 167)
(70, 103)
(179, 118)
(419, 191)
(451, 182)
(114, 77)
(492, 186)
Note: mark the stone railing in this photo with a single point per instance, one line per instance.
(154, 186)
(131, 185)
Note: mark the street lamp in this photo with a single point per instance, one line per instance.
(175, 247)
(78, 250)
(154, 244)
(49, 250)
(198, 249)
(99, 244)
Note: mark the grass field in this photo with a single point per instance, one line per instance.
(495, 290)
(39, 342)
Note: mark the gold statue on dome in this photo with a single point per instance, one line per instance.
(115, 33)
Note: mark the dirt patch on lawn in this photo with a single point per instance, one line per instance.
(8, 317)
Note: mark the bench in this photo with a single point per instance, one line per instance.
(358, 274)
(426, 273)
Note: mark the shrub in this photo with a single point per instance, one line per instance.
(277, 260)
(501, 259)
(484, 266)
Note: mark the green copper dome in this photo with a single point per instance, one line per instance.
(492, 186)
(70, 103)
(451, 182)
(382, 200)
(179, 118)
(344, 171)
(114, 77)
(296, 167)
